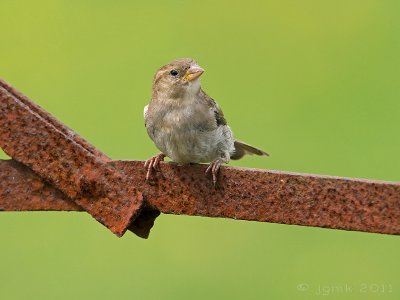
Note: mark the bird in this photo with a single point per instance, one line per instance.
(186, 124)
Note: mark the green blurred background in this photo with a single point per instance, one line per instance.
(315, 83)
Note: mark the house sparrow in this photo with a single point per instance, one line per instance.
(186, 124)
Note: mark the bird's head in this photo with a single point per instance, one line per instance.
(177, 78)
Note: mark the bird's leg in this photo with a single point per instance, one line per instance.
(153, 163)
(213, 168)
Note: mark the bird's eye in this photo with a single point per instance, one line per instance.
(173, 72)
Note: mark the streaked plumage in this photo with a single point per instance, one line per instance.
(185, 123)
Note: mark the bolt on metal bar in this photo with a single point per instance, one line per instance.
(55, 169)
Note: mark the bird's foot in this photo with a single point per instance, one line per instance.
(213, 168)
(153, 163)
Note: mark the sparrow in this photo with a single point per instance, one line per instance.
(186, 124)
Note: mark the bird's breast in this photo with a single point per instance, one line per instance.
(185, 135)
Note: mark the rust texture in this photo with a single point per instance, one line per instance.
(245, 194)
(55, 169)
(58, 155)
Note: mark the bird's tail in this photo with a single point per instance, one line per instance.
(242, 149)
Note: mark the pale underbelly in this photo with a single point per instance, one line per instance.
(191, 145)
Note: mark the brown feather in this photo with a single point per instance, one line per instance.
(242, 149)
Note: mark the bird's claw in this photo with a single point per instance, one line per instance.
(153, 163)
(213, 168)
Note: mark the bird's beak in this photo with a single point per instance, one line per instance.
(193, 72)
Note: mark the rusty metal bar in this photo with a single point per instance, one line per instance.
(33, 137)
(245, 194)
(52, 156)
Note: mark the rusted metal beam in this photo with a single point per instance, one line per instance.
(58, 170)
(36, 139)
(245, 194)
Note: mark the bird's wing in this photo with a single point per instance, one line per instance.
(145, 115)
(218, 114)
(145, 111)
(149, 126)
